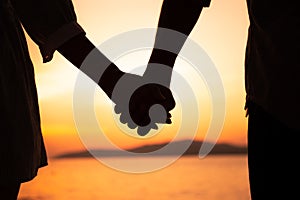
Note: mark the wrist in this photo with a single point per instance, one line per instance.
(159, 74)
(110, 78)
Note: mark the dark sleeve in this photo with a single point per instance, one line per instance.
(205, 3)
(49, 23)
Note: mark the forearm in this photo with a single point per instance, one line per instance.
(177, 20)
(76, 51)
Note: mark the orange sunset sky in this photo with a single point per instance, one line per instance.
(221, 31)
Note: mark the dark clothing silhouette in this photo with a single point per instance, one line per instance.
(272, 72)
(272, 156)
(272, 62)
(49, 23)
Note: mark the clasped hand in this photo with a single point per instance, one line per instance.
(141, 103)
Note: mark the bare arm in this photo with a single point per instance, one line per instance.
(179, 16)
(77, 49)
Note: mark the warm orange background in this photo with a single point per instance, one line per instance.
(221, 31)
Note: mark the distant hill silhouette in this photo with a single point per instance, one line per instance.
(174, 148)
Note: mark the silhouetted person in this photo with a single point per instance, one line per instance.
(272, 72)
(53, 26)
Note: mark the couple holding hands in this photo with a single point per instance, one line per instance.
(53, 26)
